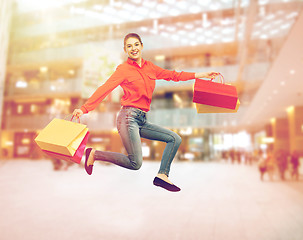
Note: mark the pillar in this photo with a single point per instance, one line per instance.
(295, 119)
(280, 134)
(5, 19)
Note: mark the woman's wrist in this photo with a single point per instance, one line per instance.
(199, 75)
(206, 75)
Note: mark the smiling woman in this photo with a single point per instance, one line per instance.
(137, 78)
(133, 47)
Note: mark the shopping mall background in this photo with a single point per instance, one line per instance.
(54, 54)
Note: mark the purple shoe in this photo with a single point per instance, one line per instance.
(161, 183)
(88, 169)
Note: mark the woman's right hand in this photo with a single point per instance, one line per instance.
(77, 113)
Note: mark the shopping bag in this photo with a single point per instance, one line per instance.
(77, 156)
(215, 94)
(202, 108)
(62, 137)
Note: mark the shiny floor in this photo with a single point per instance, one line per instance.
(218, 201)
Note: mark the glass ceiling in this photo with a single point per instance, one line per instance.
(210, 24)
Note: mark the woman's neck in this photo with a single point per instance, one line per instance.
(139, 61)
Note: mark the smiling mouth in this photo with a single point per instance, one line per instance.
(134, 53)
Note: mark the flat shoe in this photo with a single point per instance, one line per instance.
(161, 183)
(88, 169)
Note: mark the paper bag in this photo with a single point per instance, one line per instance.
(202, 108)
(61, 136)
(77, 156)
(215, 94)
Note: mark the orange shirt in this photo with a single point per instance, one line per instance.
(138, 84)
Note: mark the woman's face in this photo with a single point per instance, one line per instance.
(133, 48)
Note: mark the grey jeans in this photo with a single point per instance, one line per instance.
(132, 125)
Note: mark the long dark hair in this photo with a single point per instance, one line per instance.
(132, 35)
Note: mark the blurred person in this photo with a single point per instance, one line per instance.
(270, 165)
(294, 161)
(262, 166)
(238, 155)
(281, 158)
(137, 78)
(61, 165)
(232, 155)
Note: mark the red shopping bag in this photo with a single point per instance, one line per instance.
(215, 94)
(76, 158)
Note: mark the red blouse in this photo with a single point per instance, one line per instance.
(138, 84)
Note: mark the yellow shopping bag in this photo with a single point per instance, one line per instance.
(61, 136)
(202, 108)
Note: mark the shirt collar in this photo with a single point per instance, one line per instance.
(132, 62)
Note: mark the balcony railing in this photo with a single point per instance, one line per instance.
(106, 121)
(255, 71)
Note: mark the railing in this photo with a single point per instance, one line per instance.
(255, 71)
(45, 87)
(95, 121)
(106, 121)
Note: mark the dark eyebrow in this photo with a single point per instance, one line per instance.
(134, 43)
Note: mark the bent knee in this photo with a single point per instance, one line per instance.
(135, 162)
(177, 139)
(137, 165)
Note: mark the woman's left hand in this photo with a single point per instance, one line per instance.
(210, 75)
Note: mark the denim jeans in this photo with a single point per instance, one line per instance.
(132, 126)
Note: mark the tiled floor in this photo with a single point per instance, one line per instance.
(218, 201)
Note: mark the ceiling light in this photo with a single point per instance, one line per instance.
(175, 37)
(189, 26)
(98, 7)
(21, 84)
(182, 5)
(43, 69)
(292, 72)
(162, 8)
(164, 34)
(285, 26)
(226, 21)
(160, 57)
(171, 28)
(290, 109)
(214, 6)
(174, 12)
(200, 30)
(192, 35)
(226, 39)
(136, 1)
(142, 11)
(144, 29)
(263, 2)
(270, 17)
(150, 4)
(193, 43)
(195, 9)
(292, 15)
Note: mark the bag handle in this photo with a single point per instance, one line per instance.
(221, 78)
(77, 118)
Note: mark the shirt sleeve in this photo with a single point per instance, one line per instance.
(169, 75)
(114, 81)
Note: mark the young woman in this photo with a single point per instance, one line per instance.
(137, 78)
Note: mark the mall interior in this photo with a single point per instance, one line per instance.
(54, 54)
